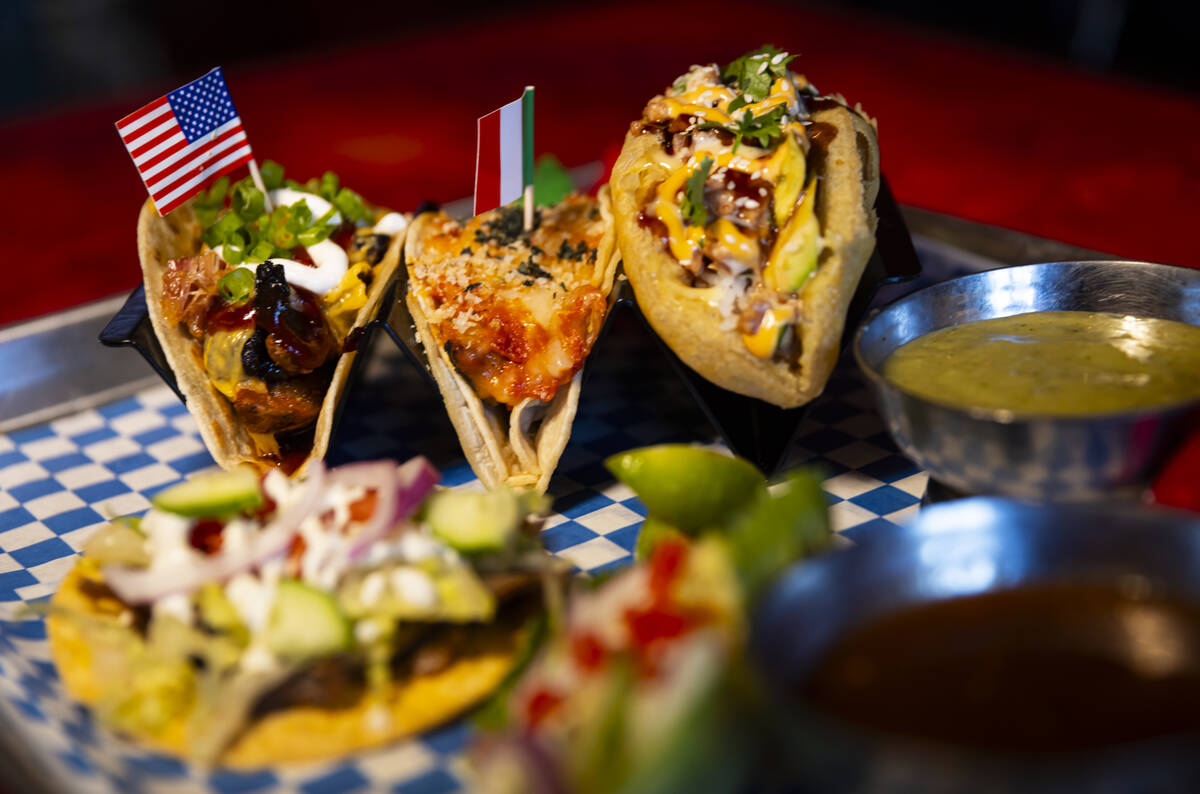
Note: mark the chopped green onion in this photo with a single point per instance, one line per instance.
(299, 217)
(248, 201)
(327, 218)
(235, 285)
(328, 186)
(215, 235)
(272, 174)
(351, 205)
(216, 193)
(234, 249)
(206, 215)
(262, 251)
(314, 235)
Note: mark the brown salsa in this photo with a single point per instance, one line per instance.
(1036, 670)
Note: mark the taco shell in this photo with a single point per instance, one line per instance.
(161, 239)
(520, 446)
(411, 704)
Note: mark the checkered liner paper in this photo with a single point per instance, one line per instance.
(58, 481)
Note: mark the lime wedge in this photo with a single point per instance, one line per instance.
(685, 486)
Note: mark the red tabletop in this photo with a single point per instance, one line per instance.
(965, 129)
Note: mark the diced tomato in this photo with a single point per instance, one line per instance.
(205, 536)
(587, 650)
(666, 563)
(655, 624)
(364, 508)
(541, 705)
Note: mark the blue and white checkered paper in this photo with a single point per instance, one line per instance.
(58, 481)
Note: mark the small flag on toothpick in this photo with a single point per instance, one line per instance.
(504, 157)
(183, 142)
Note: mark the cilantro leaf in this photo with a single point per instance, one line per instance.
(764, 130)
(692, 206)
(754, 72)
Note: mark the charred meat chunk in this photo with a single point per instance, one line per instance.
(298, 337)
(257, 362)
(336, 682)
(284, 405)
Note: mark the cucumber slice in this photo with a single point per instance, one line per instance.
(306, 623)
(475, 522)
(221, 493)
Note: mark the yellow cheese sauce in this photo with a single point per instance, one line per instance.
(1063, 363)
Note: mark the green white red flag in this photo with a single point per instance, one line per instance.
(504, 153)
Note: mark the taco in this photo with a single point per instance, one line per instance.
(252, 620)
(744, 215)
(507, 318)
(257, 311)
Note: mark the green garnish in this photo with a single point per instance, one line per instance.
(764, 130)
(528, 268)
(692, 206)
(754, 72)
(248, 201)
(248, 233)
(680, 84)
(272, 174)
(209, 202)
(351, 205)
(235, 285)
(226, 225)
(551, 182)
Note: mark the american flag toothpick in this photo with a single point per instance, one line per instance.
(184, 141)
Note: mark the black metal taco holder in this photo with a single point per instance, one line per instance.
(751, 428)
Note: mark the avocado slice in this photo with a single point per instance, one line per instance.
(789, 179)
(794, 257)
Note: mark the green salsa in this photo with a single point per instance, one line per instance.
(1053, 362)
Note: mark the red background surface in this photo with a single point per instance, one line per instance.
(981, 133)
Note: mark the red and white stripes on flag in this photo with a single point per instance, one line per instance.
(504, 153)
(184, 141)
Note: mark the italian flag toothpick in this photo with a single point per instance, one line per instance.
(504, 157)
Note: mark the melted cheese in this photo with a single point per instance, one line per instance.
(515, 314)
(763, 342)
(684, 240)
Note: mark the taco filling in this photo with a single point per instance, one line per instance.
(736, 207)
(256, 619)
(272, 298)
(507, 318)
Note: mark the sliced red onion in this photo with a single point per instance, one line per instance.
(399, 492)
(143, 585)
